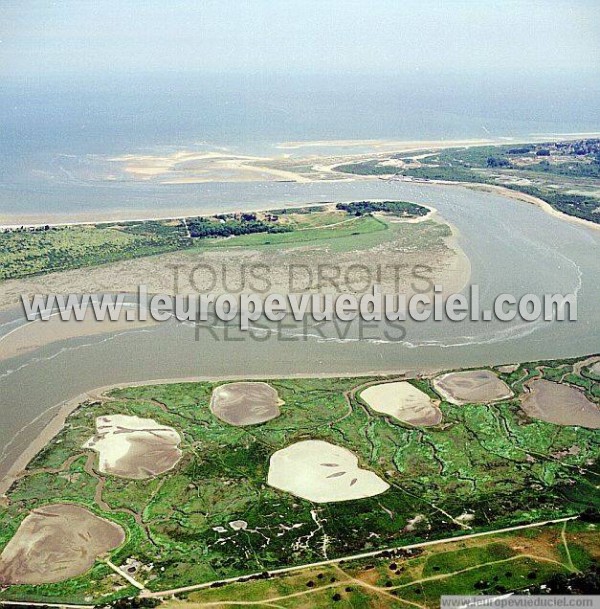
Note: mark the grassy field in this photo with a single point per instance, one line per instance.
(488, 565)
(489, 461)
(32, 252)
(306, 233)
(326, 217)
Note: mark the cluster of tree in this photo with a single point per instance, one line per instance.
(522, 150)
(454, 172)
(135, 603)
(31, 229)
(297, 210)
(574, 170)
(494, 161)
(368, 168)
(580, 206)
(243, 216)
(579, 147)
(398, 208)
(27, 606)
(202, 228)
(576, 583)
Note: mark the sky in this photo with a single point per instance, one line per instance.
(70, 37)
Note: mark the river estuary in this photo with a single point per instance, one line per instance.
(513, 247)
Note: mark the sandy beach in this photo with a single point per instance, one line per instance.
(8, 222)
(206, 213)
(107, 217)
(123, 216)
(189, 167)
(521, 196)
(395, 145)
(392, 145)
(201, 167)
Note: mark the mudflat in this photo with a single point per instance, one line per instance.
(57, 542)
(35, 334)
(245, 403)
(132, 447)
(559, 404)
(429, 245)
(471, 387)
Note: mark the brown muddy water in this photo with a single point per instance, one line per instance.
(514, 248)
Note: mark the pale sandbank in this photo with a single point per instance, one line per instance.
(404, 402)
(322, 472)
(32, 335)
(132, 447)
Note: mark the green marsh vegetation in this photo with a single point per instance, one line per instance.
(33, 251)
(526, 168)
(489, 461)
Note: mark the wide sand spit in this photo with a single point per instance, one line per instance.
(471, 387)
(132, 447)
(403, 402)
(34, 335)
(559, 404)
(322, 472)
(57, 542)
(245, 403)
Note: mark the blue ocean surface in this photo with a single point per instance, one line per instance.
(49, 126)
